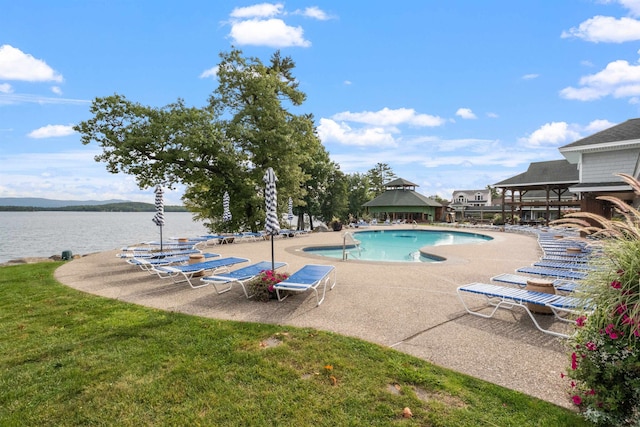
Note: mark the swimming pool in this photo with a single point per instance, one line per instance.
(398, 245)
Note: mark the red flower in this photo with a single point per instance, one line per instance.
(574, 361)
(577, 400)
(616, 284)
(591, 346)
(580, 321)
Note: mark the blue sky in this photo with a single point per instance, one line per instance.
(453, 95)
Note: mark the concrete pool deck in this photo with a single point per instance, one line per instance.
(411, 307)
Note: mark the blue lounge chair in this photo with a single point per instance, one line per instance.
(553, 272)
(184, 273)
(309, 277)
(152, 254)
(147, 264)
(240, 276)
(507, 297)
(565, 265)
(515, 279)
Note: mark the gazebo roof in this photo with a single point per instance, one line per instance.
(401, 198)
(400, 182)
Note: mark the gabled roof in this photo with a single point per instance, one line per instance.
(400, 182)
(623, 136)
(539, 174)
(399, 198)
(627, 131)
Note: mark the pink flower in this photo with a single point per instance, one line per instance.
(581, 320)
(591, 392)
(626, 320)
(613, 335)
(577, 400)
(562, 375)
(574, 362)
(271, 288)
(621, 308)
(616, 284)
(590, 346)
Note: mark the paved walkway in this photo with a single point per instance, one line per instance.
(411, 307)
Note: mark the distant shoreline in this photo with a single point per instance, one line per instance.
(110, 207)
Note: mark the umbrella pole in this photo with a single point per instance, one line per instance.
(273, 262)
(160, 238)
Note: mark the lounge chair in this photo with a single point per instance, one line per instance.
(515, 279)
(581, 266)
(309, 277)
(240, 276)
(184, 273)
(153, 254)
(147, 264)
(553, 272)
(508, 297)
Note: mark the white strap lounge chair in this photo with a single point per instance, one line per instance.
(240, 276)
(516, 279)
(155, 254)
(508, 297)
(147, 264)
(553, 272)
(185, 273)
(576, 266)
(309, 277)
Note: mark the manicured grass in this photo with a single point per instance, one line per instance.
(69, 358)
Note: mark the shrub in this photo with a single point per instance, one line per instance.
(604, 371)
(262, 287)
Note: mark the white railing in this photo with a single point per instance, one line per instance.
(352, 244)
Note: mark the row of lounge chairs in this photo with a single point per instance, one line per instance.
(178, 266)
(565, 261)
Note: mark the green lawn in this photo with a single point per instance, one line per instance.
(69, 358)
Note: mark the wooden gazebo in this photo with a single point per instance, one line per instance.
(552, 178)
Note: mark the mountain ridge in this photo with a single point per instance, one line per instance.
(39, 202)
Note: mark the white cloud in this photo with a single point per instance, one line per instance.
(331, 131)
(388, 117)
(17, 65)
(619, 79)
(56, 89)
(465, 113)
(314, 12)
(606, 29)
(530, 76)
(598, 125)
(51, 131)
(211, 72)
(347, 83)
(492, 115)
(262, 10)
(271, 32)
(5, 88)
(10, 98)
(552, 134)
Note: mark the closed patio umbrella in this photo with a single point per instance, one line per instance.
(226, 214)
(290, 213)
(272, 226)
(158, 218)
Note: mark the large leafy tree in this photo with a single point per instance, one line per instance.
(226, 146)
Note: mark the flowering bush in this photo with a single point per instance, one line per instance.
(604, 374)
(262, 287)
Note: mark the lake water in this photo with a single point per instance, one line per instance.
(42, 234)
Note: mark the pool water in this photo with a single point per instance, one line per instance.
(398, 245)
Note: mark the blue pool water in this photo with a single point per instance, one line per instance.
(399, 245)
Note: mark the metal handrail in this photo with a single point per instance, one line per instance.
(355, 242)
